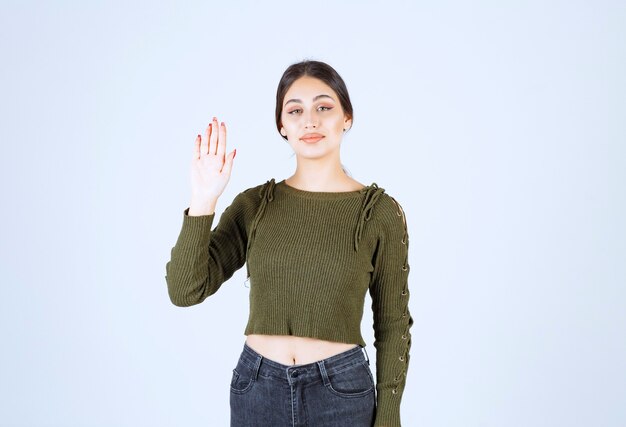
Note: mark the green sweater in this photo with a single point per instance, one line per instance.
(310, 258)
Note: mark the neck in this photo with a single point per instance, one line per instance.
(318, 175)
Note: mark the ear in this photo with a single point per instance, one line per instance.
(347, 123)
(282, 132)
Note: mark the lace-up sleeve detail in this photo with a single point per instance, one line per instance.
(390, 305)
(266, 195)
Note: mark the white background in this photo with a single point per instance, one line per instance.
(499, 126)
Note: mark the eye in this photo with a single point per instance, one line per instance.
(298, 109)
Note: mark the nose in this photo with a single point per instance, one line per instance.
(310, 120)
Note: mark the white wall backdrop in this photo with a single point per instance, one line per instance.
(500, 127)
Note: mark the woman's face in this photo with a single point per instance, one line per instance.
(310, 106)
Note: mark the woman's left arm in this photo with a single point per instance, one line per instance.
(390, 305)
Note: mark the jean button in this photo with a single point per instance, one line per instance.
(294, 374)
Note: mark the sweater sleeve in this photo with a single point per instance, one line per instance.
(392, 318)
(204, 258)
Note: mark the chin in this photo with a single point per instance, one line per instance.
(311, 156)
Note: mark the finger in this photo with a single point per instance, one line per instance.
(196, 147)
(204, 148)
(214, 132)
(221, 144)
(228, 164)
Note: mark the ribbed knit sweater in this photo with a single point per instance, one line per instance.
(311, 257)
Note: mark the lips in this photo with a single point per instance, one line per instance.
(312, 137)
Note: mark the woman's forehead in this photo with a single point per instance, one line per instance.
(310, 89)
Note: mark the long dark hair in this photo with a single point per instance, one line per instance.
(319, 70)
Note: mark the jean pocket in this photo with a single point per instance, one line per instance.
(242, 379)
(354, 381)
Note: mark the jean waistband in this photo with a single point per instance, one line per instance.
(268, 367)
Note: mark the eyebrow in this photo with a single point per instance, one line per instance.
(314, 99)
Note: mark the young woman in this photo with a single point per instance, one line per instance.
(313, 244)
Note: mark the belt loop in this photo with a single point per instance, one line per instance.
(257, 367)
(322, 367)
(366, 356)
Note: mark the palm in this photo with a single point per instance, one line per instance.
(210, 167)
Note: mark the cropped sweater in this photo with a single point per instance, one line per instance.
(310, 258)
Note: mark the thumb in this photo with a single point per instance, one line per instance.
(228, 165)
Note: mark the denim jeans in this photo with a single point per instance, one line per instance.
(336, 391)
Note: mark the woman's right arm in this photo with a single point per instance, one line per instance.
(203, 259)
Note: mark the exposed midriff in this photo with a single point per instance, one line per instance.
(294, 350)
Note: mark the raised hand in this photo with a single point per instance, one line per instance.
(210, 168)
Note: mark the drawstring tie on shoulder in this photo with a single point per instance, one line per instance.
(372, 193)
(266, 194)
